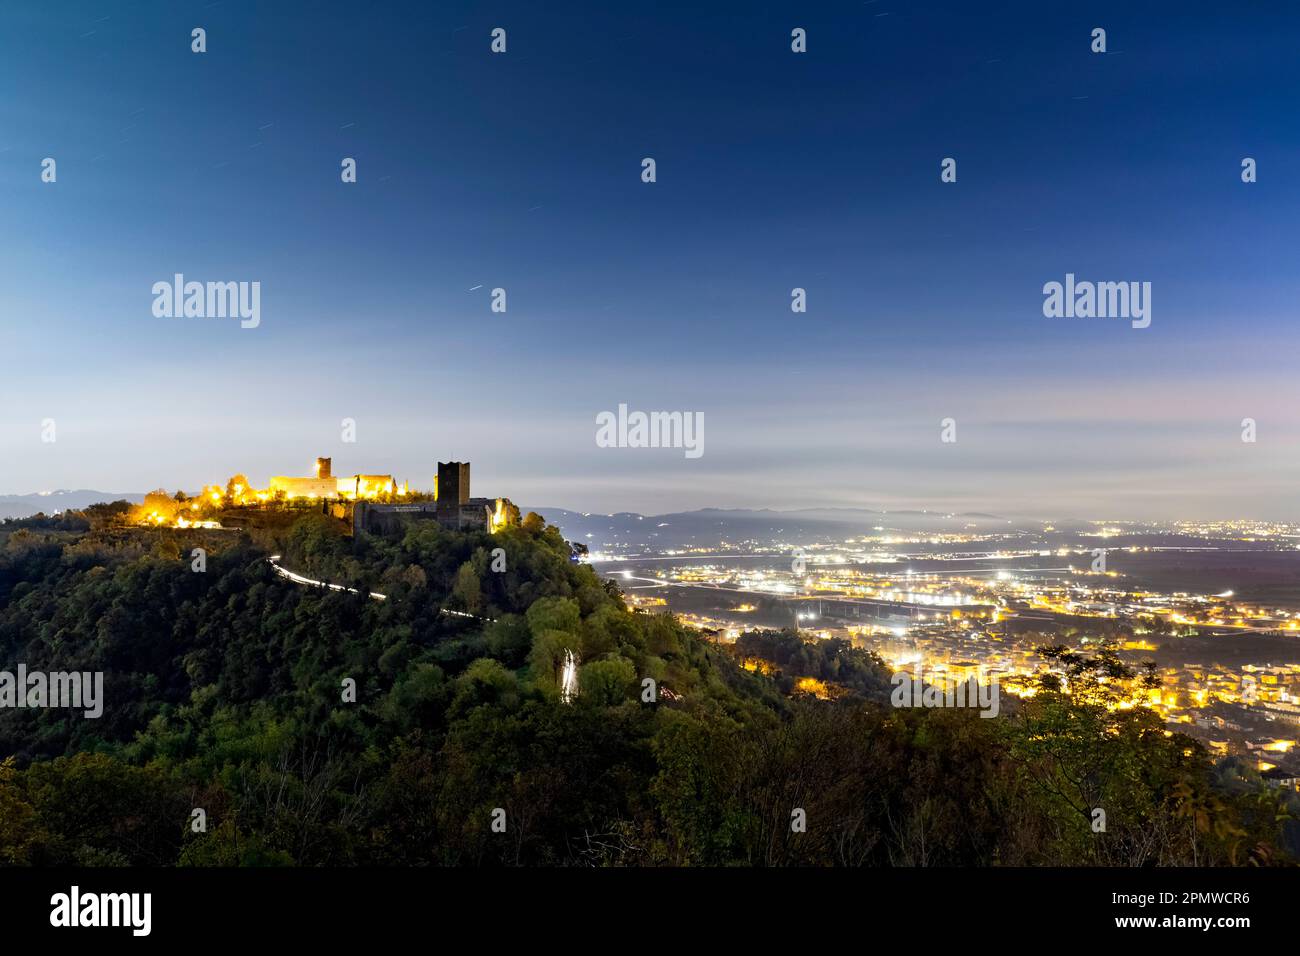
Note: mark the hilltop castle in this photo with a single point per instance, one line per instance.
(452, 507)
(374, 503)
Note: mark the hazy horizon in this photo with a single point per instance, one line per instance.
(529, 503)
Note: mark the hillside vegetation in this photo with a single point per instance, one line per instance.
(225, 692)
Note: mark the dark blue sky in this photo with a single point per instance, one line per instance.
(775, 170)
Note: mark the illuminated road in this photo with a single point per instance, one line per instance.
(374, 595)
(299, 579)
(655, 582)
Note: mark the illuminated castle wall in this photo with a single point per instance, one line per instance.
(325, 485)
(305, 487)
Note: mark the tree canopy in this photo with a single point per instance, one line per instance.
(225, 693)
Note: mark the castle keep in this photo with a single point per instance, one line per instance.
(452, 507)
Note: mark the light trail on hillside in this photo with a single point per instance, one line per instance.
(374, 595)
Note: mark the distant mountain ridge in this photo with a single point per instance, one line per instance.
(24, 506)
(711, 526)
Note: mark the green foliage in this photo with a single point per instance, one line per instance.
(835, 661)
(223, 693)
(607, 683)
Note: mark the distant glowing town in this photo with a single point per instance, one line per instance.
(1226, 667)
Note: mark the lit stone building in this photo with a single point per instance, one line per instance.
(325, 485)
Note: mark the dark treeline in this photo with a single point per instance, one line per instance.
(835, 661)
(224, 693)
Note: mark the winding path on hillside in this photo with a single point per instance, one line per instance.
(374, 595)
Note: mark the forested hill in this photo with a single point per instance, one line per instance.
(227, 691)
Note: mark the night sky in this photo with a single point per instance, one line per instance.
(775, 170)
